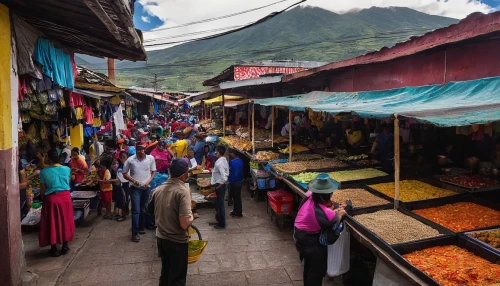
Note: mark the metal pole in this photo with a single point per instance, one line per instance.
(223, 117)
(272, 126)
(253, 128)
(396, 161)
(290, 131)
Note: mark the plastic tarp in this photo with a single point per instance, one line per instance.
(219, 99)
(453, 104)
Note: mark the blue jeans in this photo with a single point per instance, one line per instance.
(140, 199)
(219, 206)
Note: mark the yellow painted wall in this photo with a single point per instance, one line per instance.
(5, 88)
(76, 134)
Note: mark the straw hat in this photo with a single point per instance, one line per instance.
(323, 184)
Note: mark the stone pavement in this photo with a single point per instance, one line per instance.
(250, 251)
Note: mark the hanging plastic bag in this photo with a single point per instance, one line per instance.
(339, 255)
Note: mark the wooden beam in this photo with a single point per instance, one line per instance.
(290, 132)
(396, 161)
(96, 7)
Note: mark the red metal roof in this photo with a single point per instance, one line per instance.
(475, 25)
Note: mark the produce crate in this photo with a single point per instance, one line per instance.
(451, 200)
(435, 183)
(382, 243)
(477, 249)
(280, 201)
(467, 237)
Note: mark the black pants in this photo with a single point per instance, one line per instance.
(235, 191)
(315, 264)
(174, 262)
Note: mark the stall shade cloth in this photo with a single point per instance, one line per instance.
(219, 99)
(453, 104)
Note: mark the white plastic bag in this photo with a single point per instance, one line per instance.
(339, 255)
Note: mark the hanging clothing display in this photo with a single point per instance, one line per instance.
(118, 119)
(56, 64)
(26, 39)
(88, 114)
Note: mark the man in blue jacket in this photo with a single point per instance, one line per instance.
(235, 180)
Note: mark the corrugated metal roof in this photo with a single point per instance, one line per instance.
(95, 27)
(250, 82)
(475, 25)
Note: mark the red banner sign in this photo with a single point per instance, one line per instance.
(246, 72)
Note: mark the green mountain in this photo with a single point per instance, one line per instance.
(303, 33)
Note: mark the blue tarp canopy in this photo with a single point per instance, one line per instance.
(453, 104)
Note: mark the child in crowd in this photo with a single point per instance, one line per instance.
(106, 187)
(118, 193)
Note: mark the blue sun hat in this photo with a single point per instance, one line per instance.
(323, 184)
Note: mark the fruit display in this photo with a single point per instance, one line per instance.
(290, 167)
(471, 181)
(34, 182)
(354, 175)
(204, 183)
(296, 148)
(360, 198)
(262, 134)
(266, 156)
(237, 142)
(462, 216)
(305, 177)
(452, 265)
(323, 164)
(306, 157)
(90, 180)
(412, 190)
(491, 237)
(263, 144)
(281, 139)
(395, 227)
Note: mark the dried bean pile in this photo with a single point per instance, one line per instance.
(395, 227)
(360, 198)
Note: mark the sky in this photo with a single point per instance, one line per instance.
(159, 19)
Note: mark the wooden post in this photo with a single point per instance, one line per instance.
(253, 128)
(290, 132)
(272, 126)
(210, 107)
(223, 117)
(396, 161)
(111, 70)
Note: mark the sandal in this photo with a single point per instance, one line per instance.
(65, 250)
(121, 218)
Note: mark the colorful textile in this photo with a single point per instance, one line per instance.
(306, 217)
(57, 224)
(162, 159)
(56, 179)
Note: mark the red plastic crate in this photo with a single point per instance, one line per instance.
(280, 201)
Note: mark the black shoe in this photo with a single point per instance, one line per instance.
(54, 252)
(142, 231)
(219, 227)
(235, 215)
(65, 250)
(136, 238)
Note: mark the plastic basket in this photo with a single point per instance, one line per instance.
(195, 254)
(280, 201)
(271, 183)
(261, 183)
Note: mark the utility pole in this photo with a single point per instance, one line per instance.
(155, 82)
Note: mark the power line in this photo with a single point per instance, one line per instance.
(272, 15)
(289, 48)
(217, 18)
(195, 33)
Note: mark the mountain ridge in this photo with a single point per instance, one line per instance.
(303, 33)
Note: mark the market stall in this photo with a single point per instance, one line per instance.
(409, 219)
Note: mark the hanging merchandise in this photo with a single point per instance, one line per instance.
(115, 100)
(26, 39)
(44, 131)
(96, 122)
(118, 119)
(25, 104)
(43, 97)
(50, 109)
(75, 99)
(25, 118)
(88, 114)
(56, 64)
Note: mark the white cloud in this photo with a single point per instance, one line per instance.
(145, 19)
(175, 12)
